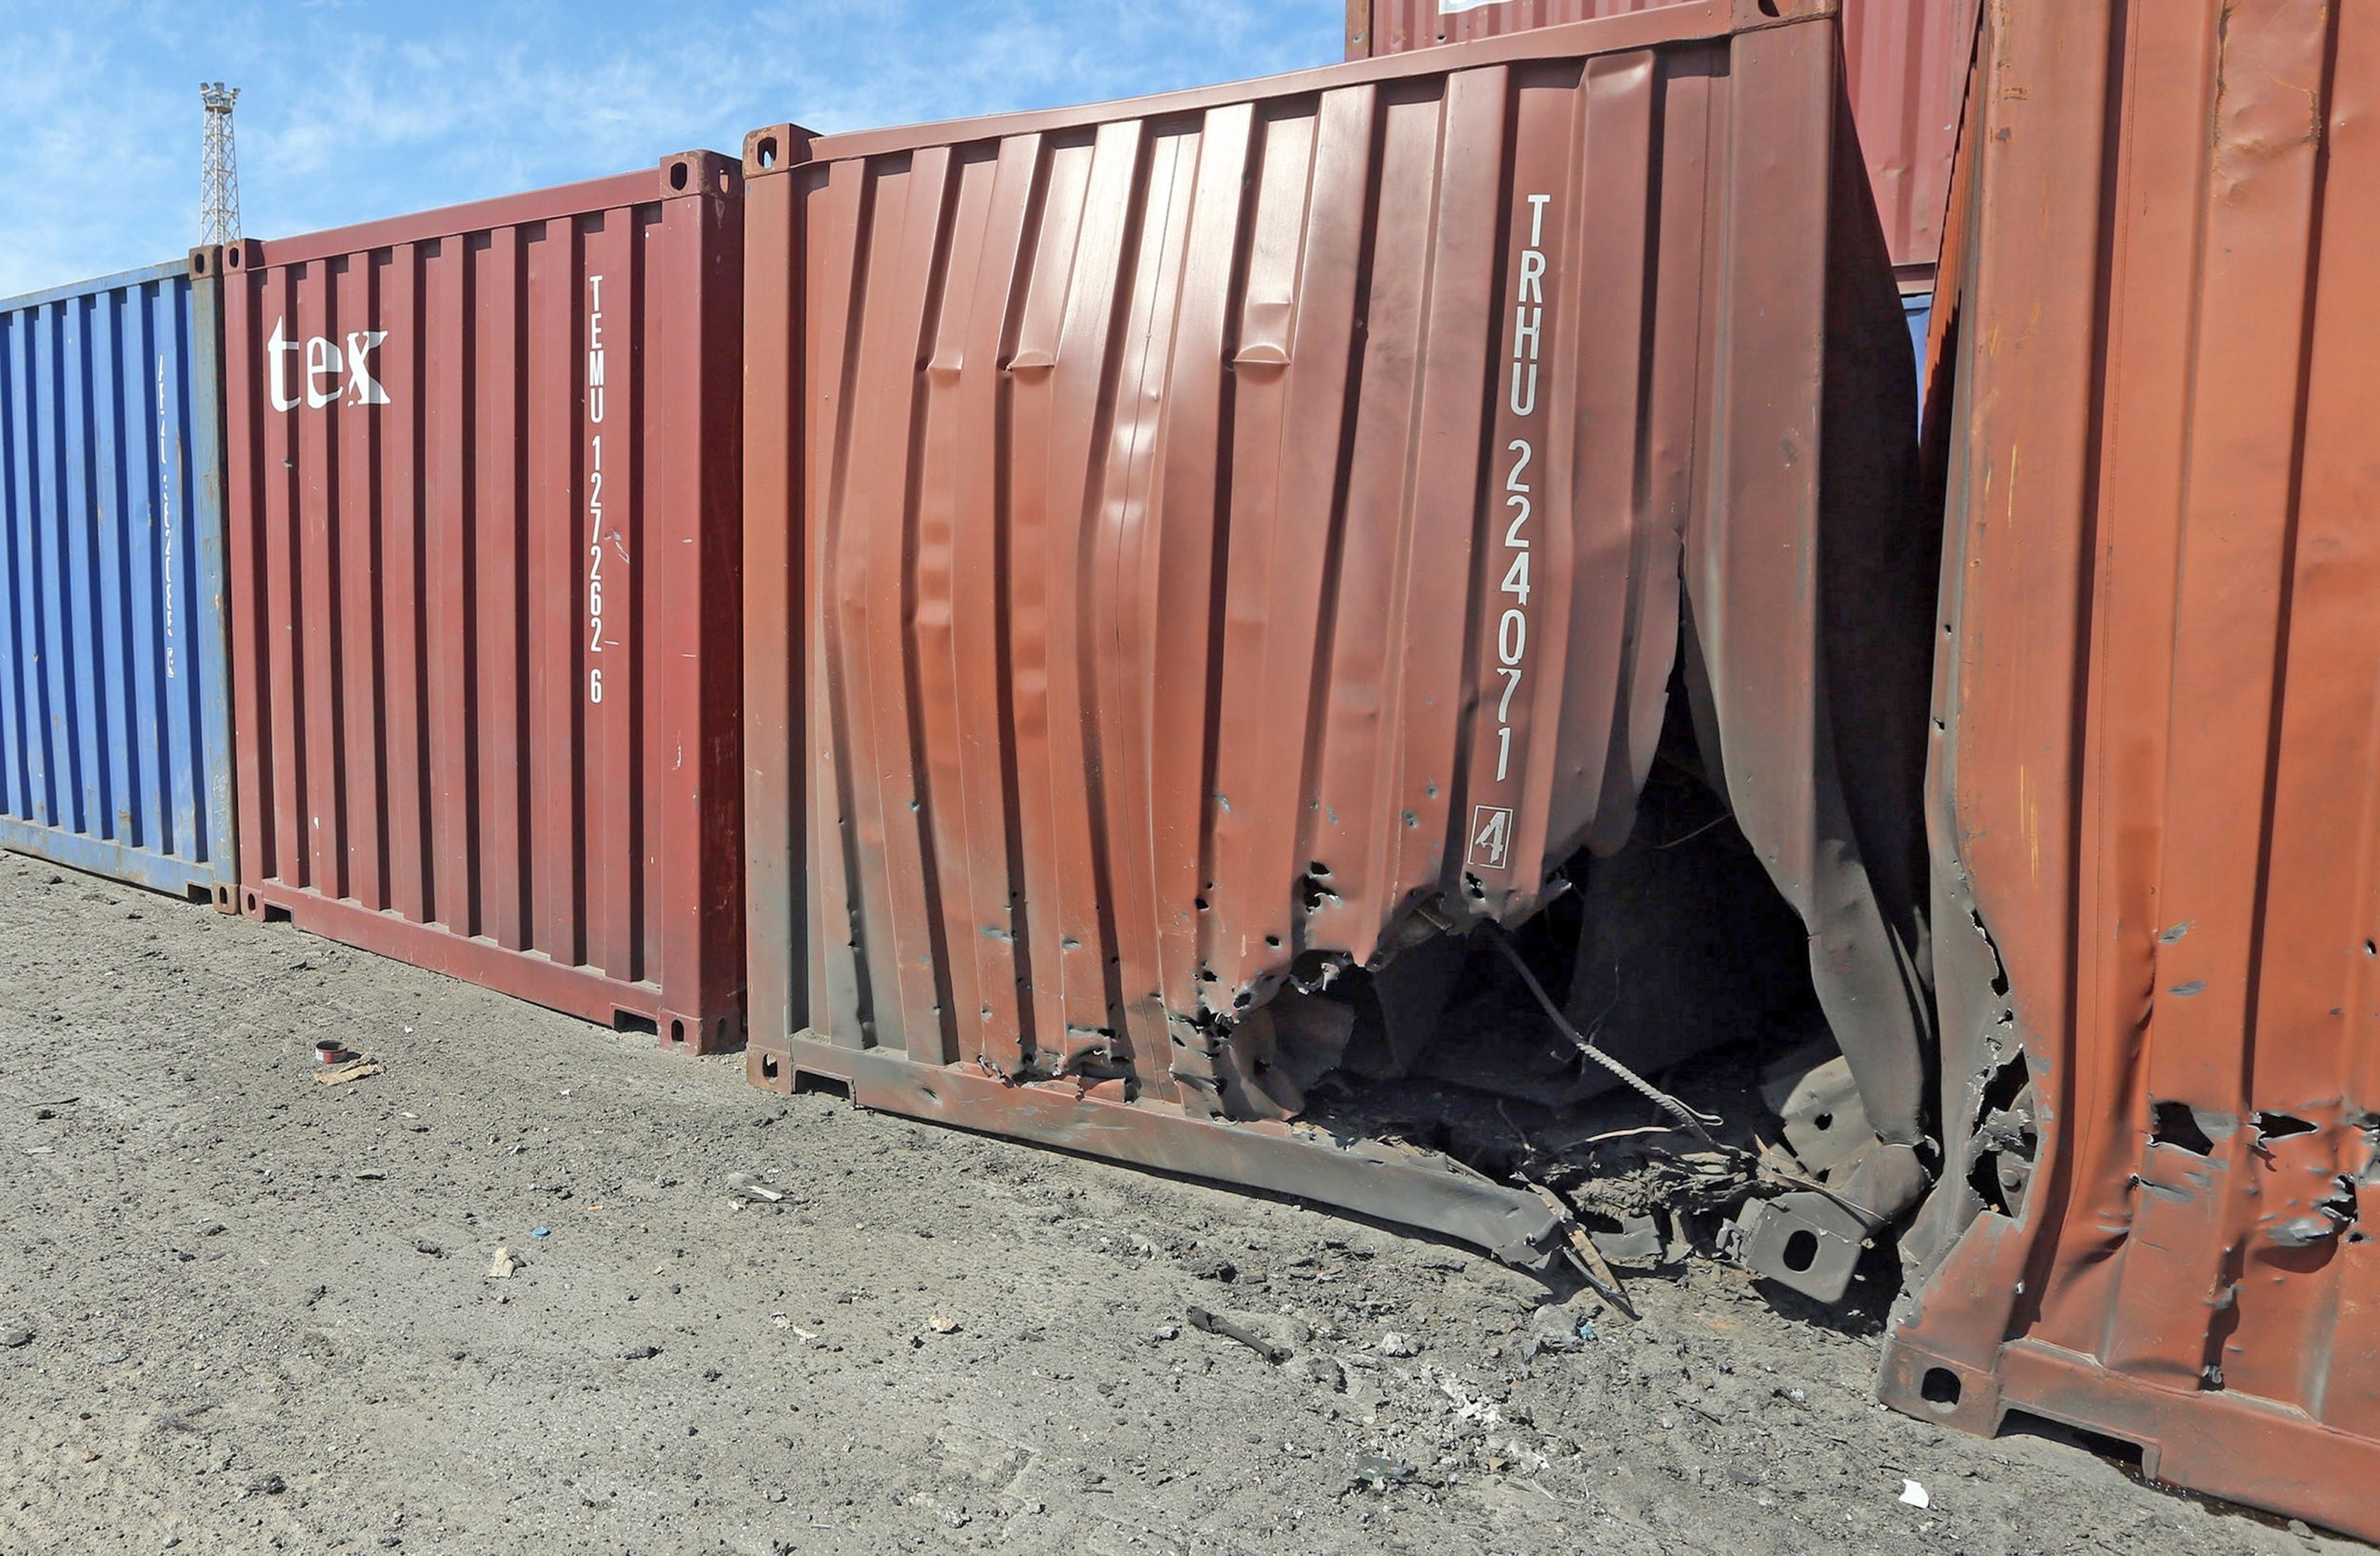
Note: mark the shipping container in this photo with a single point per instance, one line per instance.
(483, 514)
(1905, 69)
(1202, 547)
(2156, 791)
(115, 739)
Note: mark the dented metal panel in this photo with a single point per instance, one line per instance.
(483, 514)
(1905, 67)
(1200, 542)
(115, 742)
(2154, 799)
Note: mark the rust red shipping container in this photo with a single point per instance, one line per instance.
(484, 522)
(1196, 543)
(2157, 787)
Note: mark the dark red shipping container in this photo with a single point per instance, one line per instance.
(485, 514)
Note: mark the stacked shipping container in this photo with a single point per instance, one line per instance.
(1905, 72)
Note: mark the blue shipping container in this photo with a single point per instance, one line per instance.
(115, 726)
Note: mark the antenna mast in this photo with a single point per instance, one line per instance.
(219, 217)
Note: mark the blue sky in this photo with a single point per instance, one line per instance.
(355, 109)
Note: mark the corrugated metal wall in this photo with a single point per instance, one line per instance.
(2156, 789)
(115, 751)
(1212, 537)
(483, 515)
(1906, 64)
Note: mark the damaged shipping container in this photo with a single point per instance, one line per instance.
(1905, 69)
(1234, 574)
(2154, 792)
(483, 514)
(115, 739)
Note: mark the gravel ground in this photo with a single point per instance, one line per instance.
(242, 1312)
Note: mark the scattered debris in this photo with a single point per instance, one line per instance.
(540, 1232)
(1208, 1266)
(1378, 1474)
(640, 1353)
(1582, 1250)
(422, 1245)
(1394, 1344)
(330, 1050)
(269, 1484)
(1915, 1494)
(744, 1185)
(504, 1267)
(941, 1325)
(1202, 1319)
(15, 1338)
(354, 1071)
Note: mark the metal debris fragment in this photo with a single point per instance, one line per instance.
(1202, 1319)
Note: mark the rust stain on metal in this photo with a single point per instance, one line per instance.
(1202, 544)
(484, 597)
(2153, 782)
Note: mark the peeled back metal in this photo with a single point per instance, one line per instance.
(483, 514)
(1200, 542)
(1905, 67)
(2155, 810)
(115, 741)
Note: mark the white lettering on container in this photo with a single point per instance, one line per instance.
(1493, 826)
(324, 361)
(595, 484)
(165, 511)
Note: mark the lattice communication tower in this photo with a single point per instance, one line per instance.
(219, 217)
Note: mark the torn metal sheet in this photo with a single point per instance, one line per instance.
(2153, 793)
(1202, 546)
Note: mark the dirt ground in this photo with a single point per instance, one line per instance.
(242, 1312)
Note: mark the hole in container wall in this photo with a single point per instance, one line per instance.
(2281, 1126)
(198, 263)
(1768, 8)
(1939, 1387)
(677, 175)
(1801, 1251)
(629, 1021)
(677, 1031)
(834, 1086)
(2177, 1126)
(766, 151)
(769, 1067)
